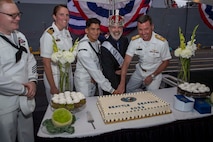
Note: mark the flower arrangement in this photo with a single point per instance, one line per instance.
(64, 58)
(185, 52)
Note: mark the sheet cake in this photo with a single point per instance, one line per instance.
(129, 106)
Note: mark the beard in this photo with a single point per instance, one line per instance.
(116, 35)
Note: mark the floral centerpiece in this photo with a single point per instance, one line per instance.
(64, 58)
(185, 52)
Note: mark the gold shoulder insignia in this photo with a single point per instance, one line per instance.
(135, 37)
(50, 30)
(160, 37)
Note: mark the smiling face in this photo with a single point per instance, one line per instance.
(61, 17)
(93, 32)
(145, 30)
(116, 31)
(7, 23)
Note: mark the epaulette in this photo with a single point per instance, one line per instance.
(50, 30)
(160, 37)
(135, 37)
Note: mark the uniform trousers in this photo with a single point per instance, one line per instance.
(87, 87)
(137, 80)
(9, 128)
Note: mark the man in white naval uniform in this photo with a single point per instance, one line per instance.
(154, 55)
(88, 70)
(18, 77)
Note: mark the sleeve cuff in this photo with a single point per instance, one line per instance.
(35, 82)
(112, 90)
(25, 91)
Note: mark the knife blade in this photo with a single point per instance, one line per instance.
(90, 119)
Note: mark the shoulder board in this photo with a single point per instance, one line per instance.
(50, 30)
(135, 37)
(160, 37)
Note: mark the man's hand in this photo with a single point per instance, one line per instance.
(31, 89)
(54, 90)
(120, 89)
(116, 92)
(148, 80)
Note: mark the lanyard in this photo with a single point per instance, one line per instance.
(97, 53)
(20, 49)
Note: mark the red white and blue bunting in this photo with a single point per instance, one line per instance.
(206, 13)
(80, 11)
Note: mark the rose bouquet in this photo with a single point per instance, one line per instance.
(64, 58)
(185, 52)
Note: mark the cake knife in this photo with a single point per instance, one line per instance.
(90, 119)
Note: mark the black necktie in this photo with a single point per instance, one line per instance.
(20, 49)
(118, 44)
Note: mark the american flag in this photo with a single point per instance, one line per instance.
(81, 10)
(206, 13)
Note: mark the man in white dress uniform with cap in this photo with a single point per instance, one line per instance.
(18, 77)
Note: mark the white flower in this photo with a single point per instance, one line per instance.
(64, 58)
(54, 57)
(178, 52)
(191, 46)
(186, 53)
(188, 50)
(69, 56)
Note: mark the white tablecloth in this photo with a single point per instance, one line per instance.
(84, 129)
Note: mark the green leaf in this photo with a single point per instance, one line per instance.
(47, 122)
(193, 34)
(70, 129)
(182, 40)
(55, 130)
(73, 119)
(74, 45)
(55, 47)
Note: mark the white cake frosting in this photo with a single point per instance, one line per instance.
(194, 87)
(129, 106)
(67, 98)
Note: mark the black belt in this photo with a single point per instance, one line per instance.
(143, 69)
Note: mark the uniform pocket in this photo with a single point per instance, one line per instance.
(154, 56)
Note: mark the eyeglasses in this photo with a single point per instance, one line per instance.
(13, 15)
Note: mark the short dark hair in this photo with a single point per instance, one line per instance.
(145, 18)
(92, 21)
(57, 7)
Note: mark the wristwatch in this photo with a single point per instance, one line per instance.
(153, 76)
